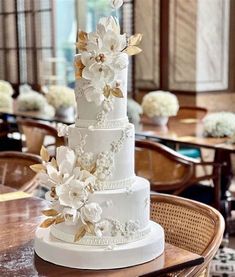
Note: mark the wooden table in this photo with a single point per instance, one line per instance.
(36, 115)
(190, 132)
(19, 219)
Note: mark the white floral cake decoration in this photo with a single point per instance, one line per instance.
(101, 60)
(72, 177)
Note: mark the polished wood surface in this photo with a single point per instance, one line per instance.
(37, 115)
(186, 131)
(15, 170)
(19, 219)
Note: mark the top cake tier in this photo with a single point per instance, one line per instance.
(96, 109)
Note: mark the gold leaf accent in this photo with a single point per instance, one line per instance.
(107, 91)
(48, 222)
(89, 227)
(38, 167)
(44, 154)
(135, 39)
(79, 66)
(117, 92)
(132, 50)
(59, 219)
(82, 41)
(50, 212)
(54, 162)
(80, 234)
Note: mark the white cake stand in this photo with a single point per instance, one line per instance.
(99, 257)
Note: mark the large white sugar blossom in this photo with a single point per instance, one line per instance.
(221, 124)
(6, 88)
(160, 103)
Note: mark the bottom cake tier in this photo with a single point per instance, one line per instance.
(100, 257)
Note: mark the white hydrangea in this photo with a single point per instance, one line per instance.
(6, 102)
(221, 124)
(134, 110)
(160, 103)
(60, 97)
(6, 88)
(31, 101)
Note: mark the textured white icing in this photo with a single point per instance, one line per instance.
(124, 205)
(96, 257)
(99, 140)
(112, 124)
(89, 110)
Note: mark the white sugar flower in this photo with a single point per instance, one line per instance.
(102, 228)
(160, 103)
(113, 42)
(108, 24)
(91, 212)
(63, 130)
(116, 4)
(120, 62)
(73, 195)
(98, 73)
(66, 159)
(94, 94)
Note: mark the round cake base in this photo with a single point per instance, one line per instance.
(99, 257)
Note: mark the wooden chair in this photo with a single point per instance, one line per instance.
(190, 113)
(35, 133)
(190, 225)
(170, 172)
(15, 170)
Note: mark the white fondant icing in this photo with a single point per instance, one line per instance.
(96, 257)
(110, 124)
(99, 140)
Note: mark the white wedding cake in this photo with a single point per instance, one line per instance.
(99, 214)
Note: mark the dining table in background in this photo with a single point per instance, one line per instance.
(35, 115)
(189, 131)
(19, 220)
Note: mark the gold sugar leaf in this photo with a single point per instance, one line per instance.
(89, 228)
(54, 162)
(132, 50)
(44, 154)
(135, 39)
(107, 91)
(117, 92)
(82, 35)
(50, 212)
(59, 219)
(48, 222)
(37, 167)
(80, 234)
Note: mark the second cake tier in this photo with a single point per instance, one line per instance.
(111, 151)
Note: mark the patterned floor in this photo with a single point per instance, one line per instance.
(223, 264)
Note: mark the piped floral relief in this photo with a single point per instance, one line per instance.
(72, 177)
(101, 59)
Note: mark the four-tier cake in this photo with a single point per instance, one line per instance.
(99, 212)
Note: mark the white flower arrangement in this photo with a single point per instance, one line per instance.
(6, 88)
(102, 58)
(31, 101)
(160, 103)
(134, 110)
(6, 102)
(60, 97)
(221, 124)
